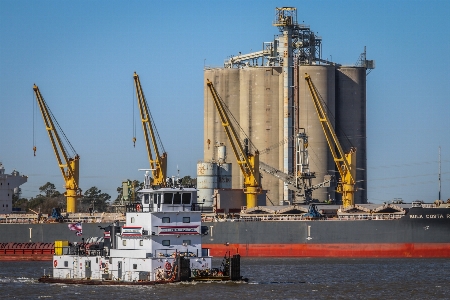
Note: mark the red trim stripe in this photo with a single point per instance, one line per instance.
(333, 250)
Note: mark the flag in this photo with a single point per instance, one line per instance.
(76, 227)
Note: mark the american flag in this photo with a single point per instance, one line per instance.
(76, 227)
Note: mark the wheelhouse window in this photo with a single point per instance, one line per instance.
(186, 198)
(146, 199)
(186, 219)
(177, 198)
(166, 243)
(186, 242)
(166, 220)
(168, 198)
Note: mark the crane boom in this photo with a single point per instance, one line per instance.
(248, 163)
(158, 165)
(345, 162)
(68, 165)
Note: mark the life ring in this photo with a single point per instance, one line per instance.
(55, 263)
(168, 266)
(138, 207)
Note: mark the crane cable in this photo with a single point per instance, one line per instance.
(332, 117)
(57, 128)
(134, 120)
(236, 123)
(34, 112)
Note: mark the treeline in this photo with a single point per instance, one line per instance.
(92, 200)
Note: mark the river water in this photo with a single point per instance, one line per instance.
(269, 278)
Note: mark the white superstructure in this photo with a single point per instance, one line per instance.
(9, 184)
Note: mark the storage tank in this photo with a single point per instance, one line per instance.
(351, 121)
(207, 176)
(224, 177)
(320, 158)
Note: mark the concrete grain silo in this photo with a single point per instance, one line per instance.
(320, 159)
(351, 121)
(252, 95)
(267, 94)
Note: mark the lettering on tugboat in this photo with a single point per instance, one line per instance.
(178, 230)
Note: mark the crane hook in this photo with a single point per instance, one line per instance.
(34, 150)
(134, 142)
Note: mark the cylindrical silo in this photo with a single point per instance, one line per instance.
(259, 118)
(351, 121)
(253, 97)
(226, 83)
(320, 160)
(207, 176)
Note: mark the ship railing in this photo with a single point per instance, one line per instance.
(261, 217)
(78, 217)
(299, 217)
(370, 217)
(25, 218)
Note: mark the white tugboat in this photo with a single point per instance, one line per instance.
(160, 243)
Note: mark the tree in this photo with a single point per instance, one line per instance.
(19, 202)
(44, 202)
(137, 186)
(49, 190)
(95, 200)
(188, 181)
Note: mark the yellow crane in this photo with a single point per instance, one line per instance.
(158, 165)
(249, 163)
(345, 162)
(69, 165)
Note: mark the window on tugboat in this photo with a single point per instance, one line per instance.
(167, 198)
(177, 198)
(186, 198)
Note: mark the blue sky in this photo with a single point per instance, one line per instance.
(82, 55)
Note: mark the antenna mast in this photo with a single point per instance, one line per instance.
(439, 196)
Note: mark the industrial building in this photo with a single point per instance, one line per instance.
(267, 94)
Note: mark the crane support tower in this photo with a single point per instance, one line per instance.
(69, 165)
(249, 163)
(345, 162)
(158, 165)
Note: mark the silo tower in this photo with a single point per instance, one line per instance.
(266, 93)
(286, 21)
